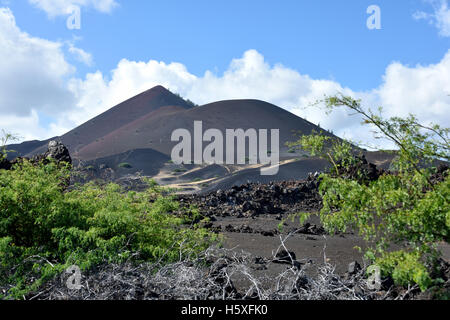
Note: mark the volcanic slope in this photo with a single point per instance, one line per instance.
(135, 136)
(154, 130)
(128, 111)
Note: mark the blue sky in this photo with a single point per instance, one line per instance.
(324, 39)
(316, 42)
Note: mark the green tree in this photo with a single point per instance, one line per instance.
(45, 228)
(409, 207)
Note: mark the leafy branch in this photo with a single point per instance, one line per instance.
(409, 206)
(6, 138)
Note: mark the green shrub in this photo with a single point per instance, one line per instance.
(405, 208)
(44, 229)
(125, 165)
(189, 102)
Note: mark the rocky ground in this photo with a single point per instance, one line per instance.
(266, 252)
(254, 199)
(250, 216)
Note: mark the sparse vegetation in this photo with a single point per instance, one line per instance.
(202, 280)
(6, 138)
(44, 228)
(410, 207)
(189, 102)
(125, 165)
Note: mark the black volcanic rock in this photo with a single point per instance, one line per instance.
(442, 171)
(254, 199)
(362, 171)
(56, 150)
(5, 164)
(284, 256)
(275, 198)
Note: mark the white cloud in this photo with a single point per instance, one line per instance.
(63, 7)
(439, 18)
(29, 127)
(422, 90)
(81, 55)
(33, 72)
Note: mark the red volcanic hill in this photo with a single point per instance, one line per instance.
(124, 113)
(154, 130)
(137, 132)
